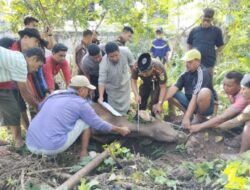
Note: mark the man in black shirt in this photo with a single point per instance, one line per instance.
(199, 94)
(205, 38)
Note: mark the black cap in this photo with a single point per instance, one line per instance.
(6, 42)
(144, 62)
(31, 32)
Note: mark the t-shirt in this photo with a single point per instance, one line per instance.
(159, 48)
(57, 117)
(238, 102)
(89, 66)
(193, 82)
(158, 75)
(205, 40)
(13, 66)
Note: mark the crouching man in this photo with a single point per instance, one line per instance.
(63, 117)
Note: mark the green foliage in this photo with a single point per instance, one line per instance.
(207, 172)
(181, 148)
(81, 164)
(93, 184)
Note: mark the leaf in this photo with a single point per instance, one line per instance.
(218, 139)
(160, 180)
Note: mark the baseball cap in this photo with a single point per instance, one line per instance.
(81, 81)
(144, 62)
(191, 55)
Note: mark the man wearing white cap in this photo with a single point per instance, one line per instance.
(63, 117)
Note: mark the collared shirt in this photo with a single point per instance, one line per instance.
(205, 40)
(57, 117)
(193, 82)
(158, 75)
(13, 66)
(238, 102)
(51, 68)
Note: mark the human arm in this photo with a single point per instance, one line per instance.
(158, 107)
(102, 79)
(66, 72)
(27, 94)
(219, 43)
(48, 74)
(190, 40)
(189, 112)
(135, 91)
(226, 115)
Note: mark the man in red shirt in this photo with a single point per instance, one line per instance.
(54, 64)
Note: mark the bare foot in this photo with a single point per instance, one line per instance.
(83, 153)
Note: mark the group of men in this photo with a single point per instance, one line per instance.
(106, 73)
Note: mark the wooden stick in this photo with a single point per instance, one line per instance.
(71, 182)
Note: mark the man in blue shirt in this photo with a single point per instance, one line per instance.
(160, 47)
(63, 117)
(205, 38)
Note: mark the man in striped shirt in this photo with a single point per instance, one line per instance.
(15, 66)
(199, 94)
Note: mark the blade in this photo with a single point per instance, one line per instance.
(111, 109)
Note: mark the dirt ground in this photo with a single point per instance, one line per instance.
(22, 170)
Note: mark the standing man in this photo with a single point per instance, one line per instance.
(125, 36)
(54, 64)
(90, 68)
(205, 38)
(47, 36)
(15, 66)
(199, 95)
(81, 49)
(114, 77)
(154, 79)
(160, 48)
(63, 117)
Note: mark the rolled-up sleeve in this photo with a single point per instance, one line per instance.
(89, 116)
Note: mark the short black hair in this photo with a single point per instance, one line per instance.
(6, 42)
(38, 52)
(128, 29)
(93, 49)
(87, 33)
(111, 47)
(208, 13)
(237, 76)
(59, 47)
(28, 19)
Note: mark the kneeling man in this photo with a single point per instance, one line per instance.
(63, 117)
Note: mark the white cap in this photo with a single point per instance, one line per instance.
(81, 81)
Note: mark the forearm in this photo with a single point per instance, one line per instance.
(162, 95)
(27, 94)
(191, 107)
(134, 87)
(50, 40)
(101, 89)
(171, 92)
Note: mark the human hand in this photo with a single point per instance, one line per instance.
(138, 99)
(157, 108)
(123, 131)
(195, 128)
(100, 100)
(185, 123)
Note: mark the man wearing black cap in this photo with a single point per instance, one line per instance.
(90, 67)
(125, 36)
(114, 77)
(160, 48)
(154, 78)
(205, 38)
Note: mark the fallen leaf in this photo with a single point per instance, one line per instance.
(218, 139)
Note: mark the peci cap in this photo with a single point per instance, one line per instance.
(81, 81)
(144, 62)
(192, 55)
(31, 32)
